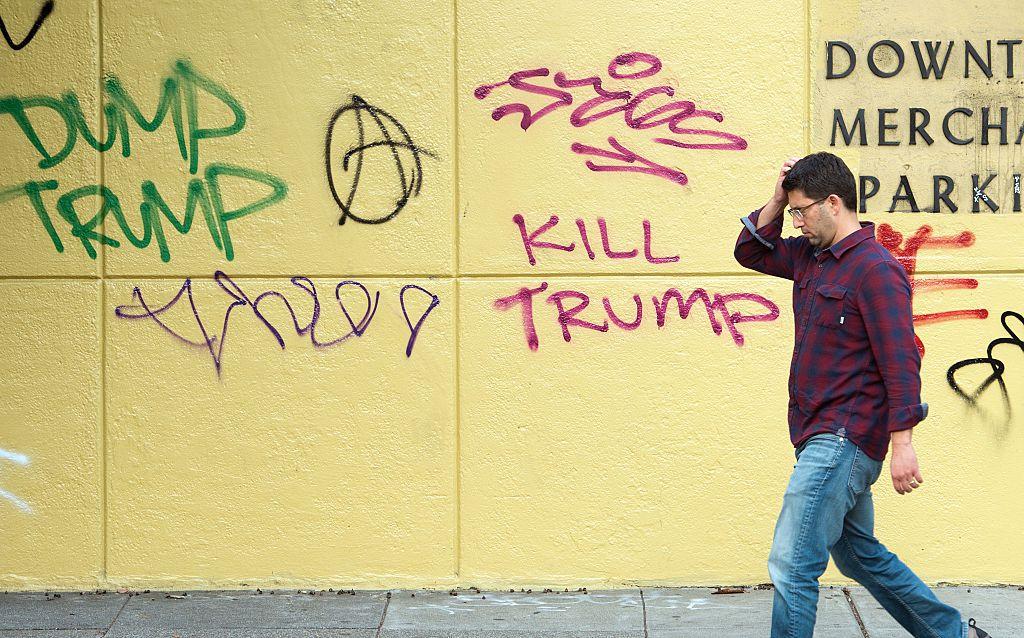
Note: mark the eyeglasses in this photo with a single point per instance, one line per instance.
(799, 212)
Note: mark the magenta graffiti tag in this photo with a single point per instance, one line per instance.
(720, 315)
(531, 241)
(604, 103)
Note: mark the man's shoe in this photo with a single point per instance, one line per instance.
(974, 632)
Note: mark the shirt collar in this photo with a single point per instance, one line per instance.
(867, 229)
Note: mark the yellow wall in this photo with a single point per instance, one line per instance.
(202, 444)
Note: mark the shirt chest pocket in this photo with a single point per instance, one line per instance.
(830, 306)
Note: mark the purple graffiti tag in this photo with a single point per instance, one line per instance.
(305, 284)
(415, 331)
(364, 323)
(214, 344)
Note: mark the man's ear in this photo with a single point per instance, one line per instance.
(835, 204)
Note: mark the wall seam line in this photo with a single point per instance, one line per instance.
(807, 77)
(569, 274)
(456, 183)
(103, 305)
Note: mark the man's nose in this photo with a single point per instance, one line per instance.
(797, 222)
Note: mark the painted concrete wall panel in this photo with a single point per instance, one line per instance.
(51, 76)
(625, 455)
(664, 64)
(286, 69)
(51, 480)
(964, 530)
(663, 454)
(294, 463)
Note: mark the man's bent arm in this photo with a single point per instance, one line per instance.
(760, 245)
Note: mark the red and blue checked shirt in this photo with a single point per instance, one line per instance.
(855, 370)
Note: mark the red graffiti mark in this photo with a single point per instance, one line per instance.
(906, 253)
(600, 103)
(718, 307)
(531, 241)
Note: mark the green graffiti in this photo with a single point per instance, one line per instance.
(204, 193)
(179, 99)
(179, 96)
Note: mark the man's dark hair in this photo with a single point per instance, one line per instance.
(822, 174)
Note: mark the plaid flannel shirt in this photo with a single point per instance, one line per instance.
(855, 369)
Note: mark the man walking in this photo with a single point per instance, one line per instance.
(854, 385)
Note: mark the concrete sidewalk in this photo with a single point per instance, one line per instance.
(639, 613)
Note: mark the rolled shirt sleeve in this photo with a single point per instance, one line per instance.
(763, 249)
(885, 304)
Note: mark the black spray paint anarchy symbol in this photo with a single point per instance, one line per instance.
(393, 138)
(43, 14)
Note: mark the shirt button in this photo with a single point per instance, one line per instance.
(821, 265)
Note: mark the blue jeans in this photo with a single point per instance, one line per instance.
(828, 509)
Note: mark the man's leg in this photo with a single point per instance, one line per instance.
(811, 521)
(860, 556)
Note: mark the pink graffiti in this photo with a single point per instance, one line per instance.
(600, 103)
(906, 253)
(531, 241)
(720, 317)
(623, 154)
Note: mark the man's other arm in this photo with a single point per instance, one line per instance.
(884, 302)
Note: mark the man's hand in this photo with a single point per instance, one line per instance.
(906, 475)
(780, 197)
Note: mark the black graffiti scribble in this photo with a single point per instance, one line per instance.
(43, 14)
(998, 367)
(408, 187)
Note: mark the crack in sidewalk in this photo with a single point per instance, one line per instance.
(383, 614)
(116, 616)
(643, 605)
(856, 612)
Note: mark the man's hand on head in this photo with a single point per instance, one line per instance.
(780, 196)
